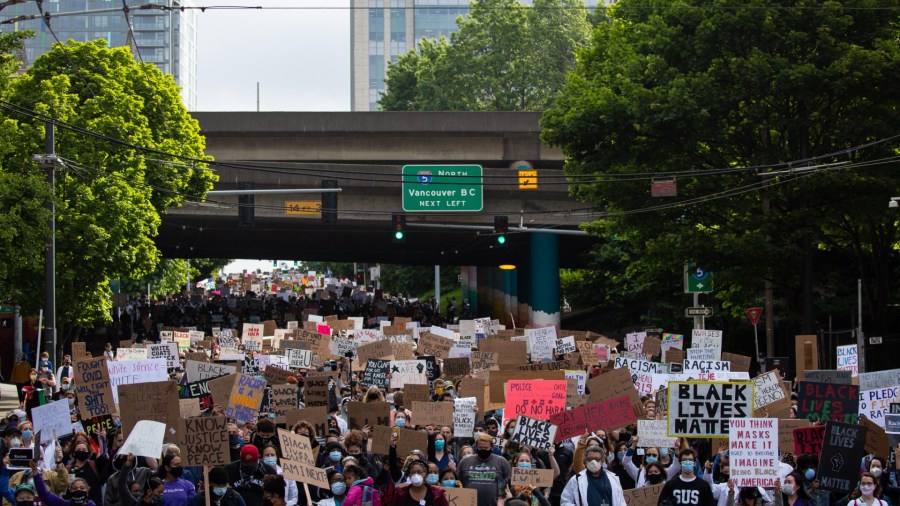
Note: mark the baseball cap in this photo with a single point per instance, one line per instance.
(249, 453)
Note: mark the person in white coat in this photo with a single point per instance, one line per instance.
(594, 486)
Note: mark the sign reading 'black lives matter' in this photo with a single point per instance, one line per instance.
(704, 408)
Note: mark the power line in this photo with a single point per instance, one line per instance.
(131, 34)
(45, 16)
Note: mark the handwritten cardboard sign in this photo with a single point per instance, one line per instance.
(809, 439)
(376, 373)
(705, 408)
(378, 349)
(296, 447)
(412, 393)
(612, 384)
(145, 440)
(157, 401)
(710, 339)
(315, 390)
(541, 342)
(828, 376)
(769, 394)
(317, 417)
(433, 413)
(531, 476)
(204, 441)
(653, 434)
(461, 496)
(540, 399)
(534, 433)
(874, 404)
(51, 418)
(404, 372)
(786, 428)
(739, 363)
(825, 401)
(647, 495)
(284, 398)
(880, 379)
(497, 380)
(246, 398)
(607, 414)
(455, 367)
(305, 473)
(93, 387)
(753, 450)
(360, 414)
(434, 345)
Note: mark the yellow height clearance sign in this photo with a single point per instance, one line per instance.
(704, 408)
(302, 207)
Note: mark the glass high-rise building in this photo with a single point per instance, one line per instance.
(382, 30)
(165, 37)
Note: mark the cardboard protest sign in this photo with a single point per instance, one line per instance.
(92, 385)
(541, 342)
(464, 416)
(705, 366)
(381, 439)
(828, 376)
(412, 393)
(360, 414)
(157, 401)
(317, 417)
(534, 433)
(404, 372)
(634, 341)
(129, 372)
(739, 363)
(874, 404)
(315, 390)
(612, 384)
(204, 441)
(461, 496)
(880, 379)
(276, 375)
(806, 348)
(497, 380)
(299, 359)
(79, 350)
(508, 352)
(189, 408)
(647, 495)
(296, 447)
(251, 330)
(455, 367)
(843, 447)
(786, 428)
(475, 387)
(246, 398)
(378, 349)
(220, 388)
(538, 399)
(131, 353)
(892, 429)
(607, 414)
(809, 439)
(823, 401)
(51, 418)
(168, 351)
(709, 339)
(531, 476)
(433, 413)
(434, 345)
(674, 356)
(848, 359)
(636, 366)
(284, 398)
(704, 408)
(653, 434)
(566, 345)
(876, 438)
(483, 360)
(409, 440)
(753, 451)
(305, 473)
(145, 440)
(652, 346)
(769, 394)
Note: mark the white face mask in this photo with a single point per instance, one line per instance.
(876, 472)
(867, 490)
(594, 466)
(788, 490)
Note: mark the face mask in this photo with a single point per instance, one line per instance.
(594, 466)
(176, 471)
(788, 489)
(525, 465)
(71, 402)
(663, 452)
(653, 479)
(620, 455)
(687, 467)
(448, 483)
(876, 471)
(416, 480)
(272, 461)
(651, 459)
(484, 454)
(24, 503)
(338, 488)
(157, 499)
(431, 479)
(810, 474)
(400, 422)
(334, 456)
(220, 491)
(439, 445)
(15, 442)
(82, 455)
(240, 441)
(27, 435)
(867, 490)
(78, 497)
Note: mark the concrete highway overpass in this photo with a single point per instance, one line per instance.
(363, 152)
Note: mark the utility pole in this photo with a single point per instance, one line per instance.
(48, 162)
(768, 290)
(860, 337)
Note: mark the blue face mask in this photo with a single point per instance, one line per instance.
(27, 434)
(687, 466)
(338, 488)
(448, 483)
(651, 459)
(272, 461)
(431, 479)
(400, 422)
(525, 465)
(220, 491)
(439, 445)
(663, 452)
(335, 456)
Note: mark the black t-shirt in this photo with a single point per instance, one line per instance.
(409, 501)
(678, 492)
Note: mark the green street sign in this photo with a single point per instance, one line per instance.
(697, 279)
(7, 309)
(442, 188)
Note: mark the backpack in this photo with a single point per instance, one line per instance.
(370, 496)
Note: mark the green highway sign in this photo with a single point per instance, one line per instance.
(7, 309)
(697, 279)
(442, 188)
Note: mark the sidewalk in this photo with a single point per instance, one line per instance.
(9, 398)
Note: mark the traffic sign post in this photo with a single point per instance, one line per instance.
(698, 311)
(697, 279)
(753, 315)
(442, 188)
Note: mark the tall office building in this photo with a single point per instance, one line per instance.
(166, 38)
(382, 30)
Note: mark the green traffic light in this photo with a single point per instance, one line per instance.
(501, 239)
(398, 235)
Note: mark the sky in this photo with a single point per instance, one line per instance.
(301, 58)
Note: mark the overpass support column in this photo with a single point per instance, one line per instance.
(498, 299)
(469, 289)
(544, 270)
(523, 280)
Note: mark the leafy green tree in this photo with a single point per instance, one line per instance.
(504, 57)
(689, 87)
(169, 277)
(109, 196)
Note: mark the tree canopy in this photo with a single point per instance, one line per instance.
(504, 57)
(736, 103)
(109, 194)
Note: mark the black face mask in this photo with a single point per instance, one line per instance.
(267, 502)
(24, 503)
(176, 471)
(653, 479)
(82, 455)
(484, 454)
(79, 497)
